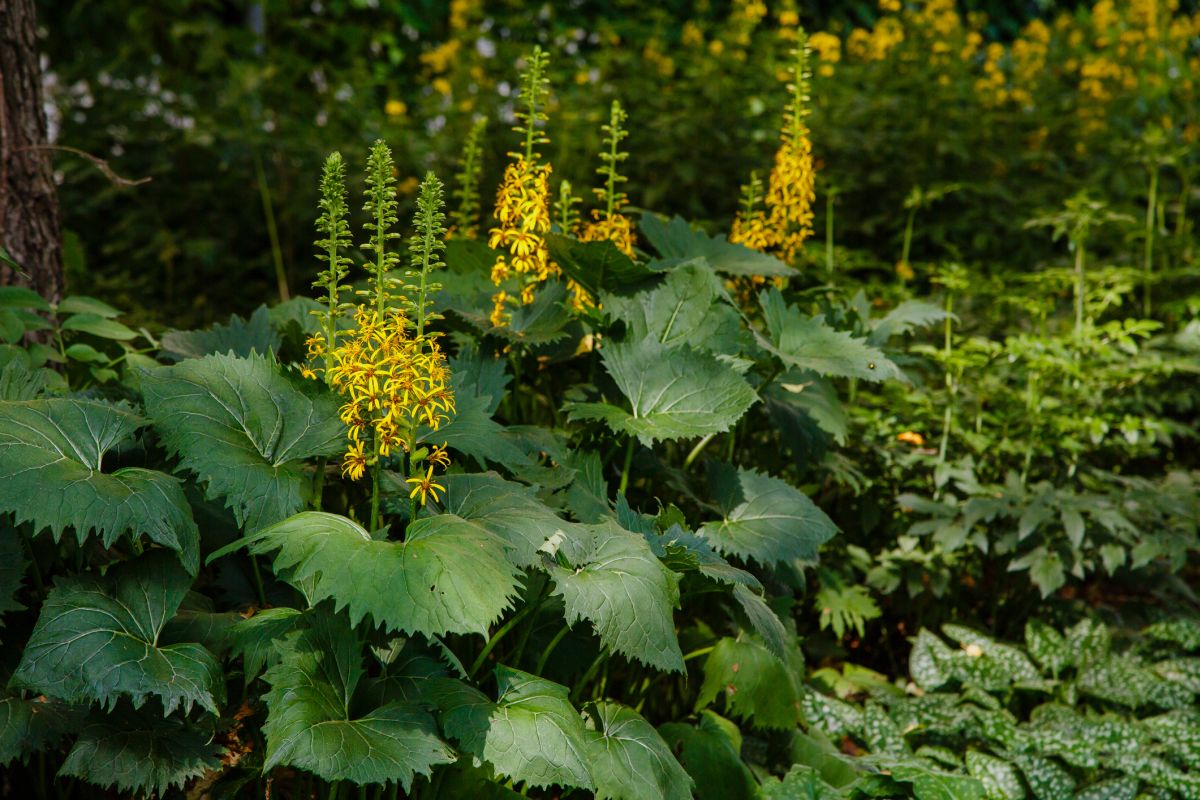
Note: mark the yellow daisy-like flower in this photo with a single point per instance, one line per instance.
(354, 463)
(426, 487)
(439, 456)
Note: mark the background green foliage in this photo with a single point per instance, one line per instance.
(915, 515)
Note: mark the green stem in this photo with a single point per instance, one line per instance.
(703, 651)
(545, 656)
(947, 352)
(700, 445)
(1080, 290)
(1181, 214)
(318, 488)
(500, 634)
(264, 193)
(582, 683)
(829, 237)
(375, 469)
(333, 790)
(258, 582)
(1148, 255)
(908, 234)
(426, 250)
(625, 468)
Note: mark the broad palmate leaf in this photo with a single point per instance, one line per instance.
(809, 343)
(313, 722)
(511, 511)
(51, 454)
(674, 393)
(676, 242)
(30, 725)
(756, 684)
(596, 266)
(244, 429)
(629, 759)
(530, 734)
(449, 575)
(239, 337)
(141, 752)
(765, 519)
(711, 754)
(683, 309)
(96, 639)
(615, 582)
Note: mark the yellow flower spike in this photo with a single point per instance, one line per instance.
(425, 486)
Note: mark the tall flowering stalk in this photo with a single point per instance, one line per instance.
(750, 224)
(381, 206)
(785, 220)
(387, 366)
(334, 227)
(608, 223)
(523, 200)
(791, 188)
(470, 164)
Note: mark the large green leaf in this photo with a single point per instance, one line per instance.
(97, 639)
(809, 343)
(314, 724)
(509, 510)
(711, 754)
(755, 684)
(244, 429)
(27, 726)
(615, 582)
(629, 759)
(531, 733)
(596, 266)
(238, 336)
(141, 752)
(51, 454)
(801, 783)
(676, 242)
(449, 575)
(765, 519)
(473, 433)
(682, 310)
(674, 394)
(255, 639)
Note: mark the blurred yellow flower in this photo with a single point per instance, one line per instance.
(396, 108)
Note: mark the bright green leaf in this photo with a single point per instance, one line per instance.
(676, 394)
(96, 639)
(51, 453)
(244, 430)
(449, 575)
(765, 519)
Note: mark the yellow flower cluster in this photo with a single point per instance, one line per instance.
(828, 49)
(523, 217)
(790, 194)
(391, 382)
(791, 190)
(616, 228)
(877, 43)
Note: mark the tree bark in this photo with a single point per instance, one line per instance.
(29, 223)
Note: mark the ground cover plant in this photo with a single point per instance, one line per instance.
(834, 470)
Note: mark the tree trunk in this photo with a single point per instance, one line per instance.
(29, 223)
